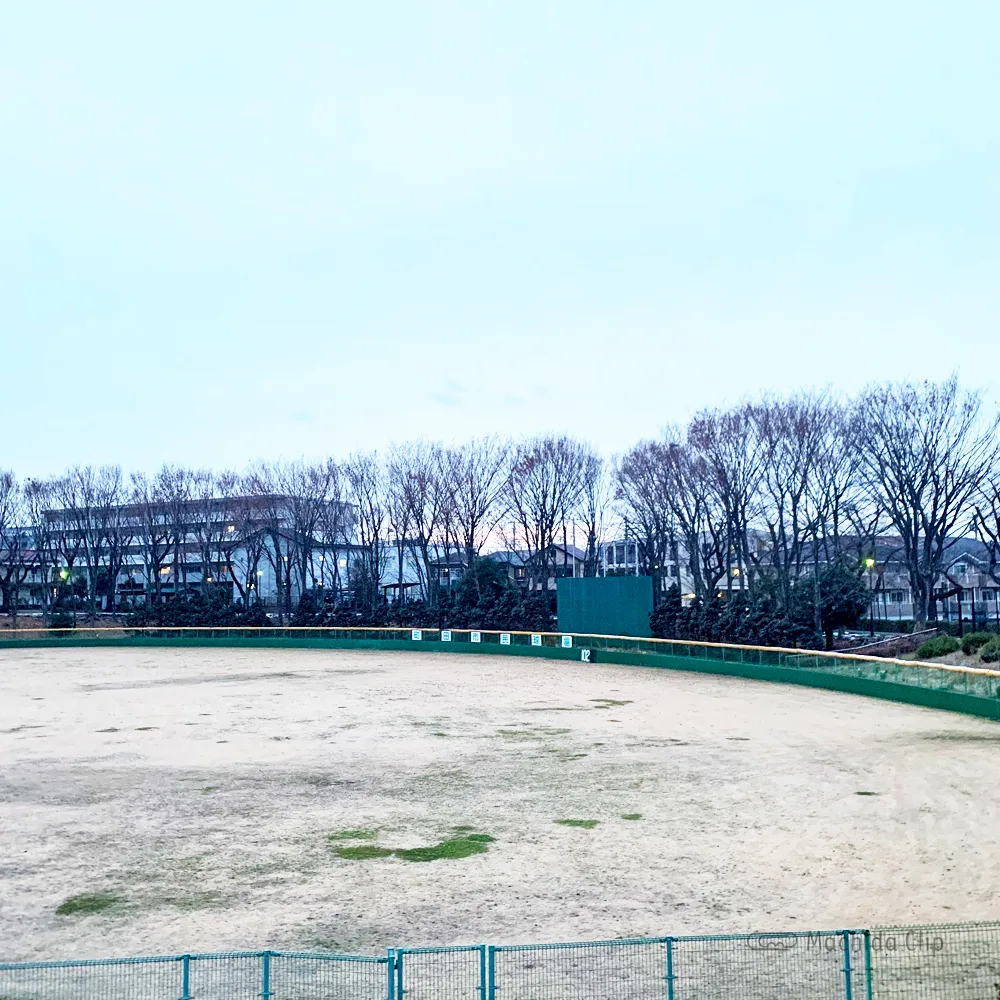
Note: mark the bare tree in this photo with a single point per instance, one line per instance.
(306, 489)
(154, 530)
(419, 498)
(645, 489)
(986, 519)
(732, 450)
(88, 498)
(793, 442)
(671, 491)
(243, 542)
(177, 483)
(16, 558)
(263, 484)
(478, 479)
(544, 484)
(334, 530)
(596, 497)
(927, 453)
(37, 495)
(209, 519)
(366, 481)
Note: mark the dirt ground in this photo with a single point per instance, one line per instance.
(199, 788)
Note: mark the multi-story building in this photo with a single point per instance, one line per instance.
(254, 548)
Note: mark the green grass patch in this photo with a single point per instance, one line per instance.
(363, 852)
(463, 845)
(87, 902)
(609, 703)
(459, 847)
(584, 824)
(353, 835)
(631, 815)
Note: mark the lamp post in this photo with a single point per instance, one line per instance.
(870, 563)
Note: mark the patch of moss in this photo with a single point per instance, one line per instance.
(460, 847)
(87, 902)
(191, 900)
(353, 835)
(585, 824)
(364, 852)
(631, 815)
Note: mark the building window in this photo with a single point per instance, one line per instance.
(675, 571)
(519, 573)
(961, 569)
(989, 596)
(896, 597)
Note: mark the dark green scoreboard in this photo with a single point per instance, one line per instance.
(605, 605)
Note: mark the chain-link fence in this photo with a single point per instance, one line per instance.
(940, 962)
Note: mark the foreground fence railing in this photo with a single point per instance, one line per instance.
(938, 962)
(968, 689)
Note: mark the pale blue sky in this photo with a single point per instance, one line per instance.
(231, 231)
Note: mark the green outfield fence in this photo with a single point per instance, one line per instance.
(938, 962)
(972, 690)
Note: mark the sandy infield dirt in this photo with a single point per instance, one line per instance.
(199, 786)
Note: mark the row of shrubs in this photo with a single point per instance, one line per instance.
(986, 644)
(486, 599)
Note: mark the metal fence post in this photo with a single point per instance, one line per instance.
(491, 977)
(186, 977)
(482, 972)
(848, 986)
(390, 965)
(399, 974)
(265, 984)
(868, 965)
(670, 968)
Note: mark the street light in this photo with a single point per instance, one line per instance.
(870, 563)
